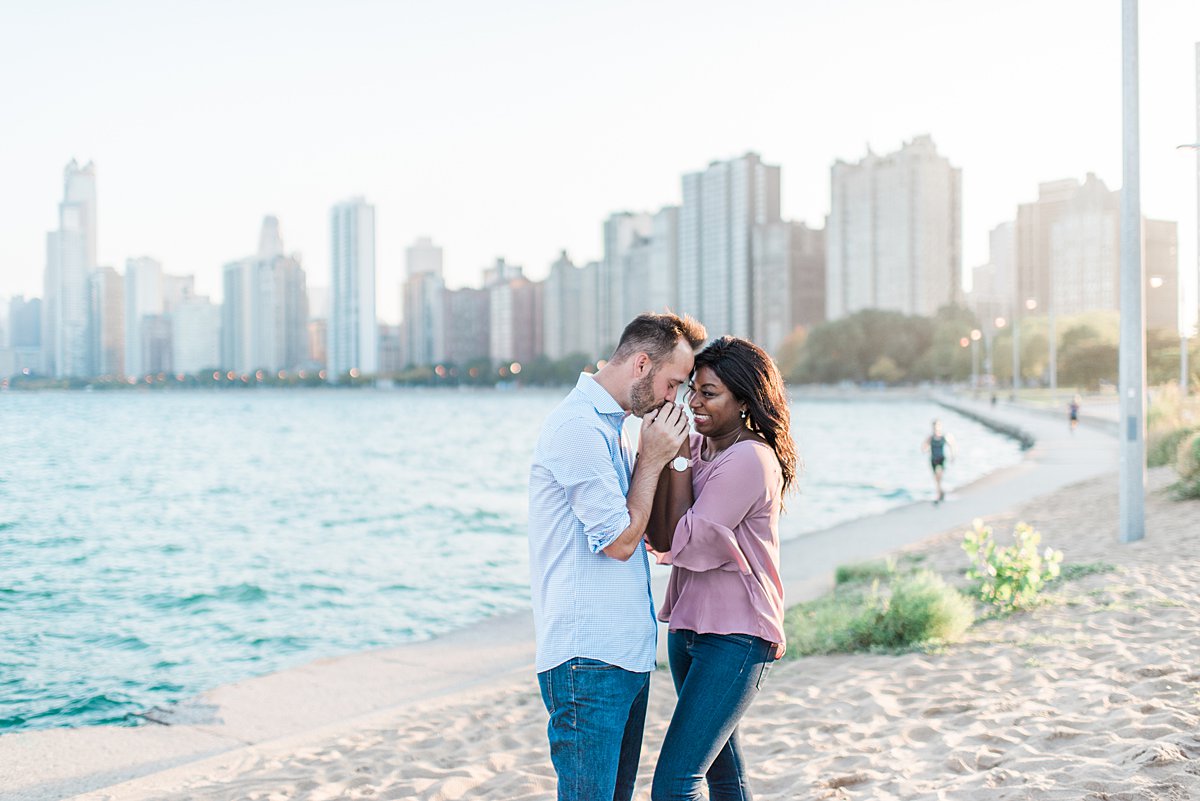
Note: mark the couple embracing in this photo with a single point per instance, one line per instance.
(708, 504)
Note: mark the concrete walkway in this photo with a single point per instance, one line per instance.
(44, 765)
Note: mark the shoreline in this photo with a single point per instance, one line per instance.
(219, 724)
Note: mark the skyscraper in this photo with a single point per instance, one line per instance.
(196, 344)
(894, 235)
(721, 206)
(423, 304)
(70, 258)
(107, 319)
(353, 331)
(789, 280)
(623, 233)
(143, 301)
(562, 311)
(264, 317)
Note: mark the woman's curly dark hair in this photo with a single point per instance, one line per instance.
(754, 380)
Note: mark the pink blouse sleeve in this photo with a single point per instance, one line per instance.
(705, 538)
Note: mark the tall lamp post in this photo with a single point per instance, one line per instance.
(1131, 364)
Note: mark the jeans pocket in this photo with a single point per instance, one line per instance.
(583, 663)
(762, 674)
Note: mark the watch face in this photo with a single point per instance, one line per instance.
(679, 464)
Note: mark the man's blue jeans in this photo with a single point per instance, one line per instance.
(597, 712)
(716, 677)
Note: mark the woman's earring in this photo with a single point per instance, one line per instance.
(743, 414)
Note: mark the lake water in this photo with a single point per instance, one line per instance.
(157, 544)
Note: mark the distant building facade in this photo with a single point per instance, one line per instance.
(70, 259)
(894, 236)
(353, 328)
(721, 206)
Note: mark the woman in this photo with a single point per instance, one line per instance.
(716, 521)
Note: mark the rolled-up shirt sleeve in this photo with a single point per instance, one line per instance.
(705, 538)
(580, 461)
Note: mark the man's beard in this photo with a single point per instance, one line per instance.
(641, 397)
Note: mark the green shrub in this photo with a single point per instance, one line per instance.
(1162, 446)
(1187, 464)
(864, 572)
(1009, 577)
(919, 608)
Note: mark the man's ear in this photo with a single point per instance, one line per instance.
(641, 365)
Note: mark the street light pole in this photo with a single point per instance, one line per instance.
(1132, 490)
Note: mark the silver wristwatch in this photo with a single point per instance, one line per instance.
(680, 463)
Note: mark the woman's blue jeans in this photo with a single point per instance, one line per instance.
(597, 713)
(716, 677)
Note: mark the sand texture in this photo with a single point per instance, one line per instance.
(1094, 695)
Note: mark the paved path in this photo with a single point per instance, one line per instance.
(42, 765)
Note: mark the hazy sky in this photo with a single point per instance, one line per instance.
(513, 129)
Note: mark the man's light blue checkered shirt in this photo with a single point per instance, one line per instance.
(585, 603)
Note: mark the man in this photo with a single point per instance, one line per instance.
(588, 509)
(936, 445)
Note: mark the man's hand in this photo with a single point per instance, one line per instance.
(663, 431)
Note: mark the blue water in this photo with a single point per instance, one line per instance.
(155, 545)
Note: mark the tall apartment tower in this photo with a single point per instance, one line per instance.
(721, 206)
(894, 236)
(789, 280)
(423, 303)
(623, 232)
(143, 307)
(563, 299)
(353, 329)
(107, 320)
(264, 316)
(70, 258)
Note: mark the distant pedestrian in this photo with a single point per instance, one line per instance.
(1073, 413)
(939, 445)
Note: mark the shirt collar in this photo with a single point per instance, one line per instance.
(598, 396)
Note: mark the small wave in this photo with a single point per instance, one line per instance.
(236, 593)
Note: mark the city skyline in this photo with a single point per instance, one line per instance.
(497, 156)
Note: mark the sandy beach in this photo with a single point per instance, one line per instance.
(1094, 695)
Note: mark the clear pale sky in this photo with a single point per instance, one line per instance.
(513, 129)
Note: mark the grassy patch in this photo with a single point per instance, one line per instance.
(865, 572)
(911, 611)
(1073, 572)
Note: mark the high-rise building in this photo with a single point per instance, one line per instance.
(623, 233)
(353, 330)
(514, 314)
(468, 325)
(107, 318)
(25, 323)
(70, 258)
(563, 298)
(423, 304)
(143, 300)
(196, 340)
(264, 316)
(789, 280)
(1160, 243)
(894, 235)
(1068, 252)
(721, 206)
(236, 316)
(650, 267)
(994, 285)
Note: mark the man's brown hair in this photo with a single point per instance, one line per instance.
(657, 335)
